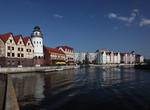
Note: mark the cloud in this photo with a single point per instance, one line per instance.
(58, 16)
(129, 19)
(144, 22)
(112, 15)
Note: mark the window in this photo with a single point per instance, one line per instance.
(40, 42)
(22, 55)
(20, 42)
(37, 42)
(21, 49)
(12, 48)
(29, 50)
(8, 47)
(10, 41)
(18, 55)
(28, 43)
(8, 54)
(18, 49)
(8, 62)
(13, 54)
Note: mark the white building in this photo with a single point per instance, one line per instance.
(80, 56)
(37, 41)
(106, 57)
(139, 58)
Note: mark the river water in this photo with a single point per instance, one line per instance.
(93, 88)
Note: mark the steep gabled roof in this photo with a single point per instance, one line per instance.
(25, 40)
(5, 37)
(17, 37)
(53, 50)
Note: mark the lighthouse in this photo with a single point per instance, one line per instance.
(37, 41)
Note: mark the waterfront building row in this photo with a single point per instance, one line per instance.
(30, 51)
(15, 50)
(106, 57)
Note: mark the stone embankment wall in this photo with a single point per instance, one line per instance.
(3, 84)
(35, 69)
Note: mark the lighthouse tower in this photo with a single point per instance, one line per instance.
(37, 40)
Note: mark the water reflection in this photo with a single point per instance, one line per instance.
(51, 91)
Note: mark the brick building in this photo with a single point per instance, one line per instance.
(54, 56)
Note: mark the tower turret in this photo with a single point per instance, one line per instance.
(37, 40)
(36, 32)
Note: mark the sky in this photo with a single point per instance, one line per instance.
(85, 25)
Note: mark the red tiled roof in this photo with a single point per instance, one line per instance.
(17, 37)
(25, 40)
(53, 50)
(122, 54)
(5, 37)
(64, 47)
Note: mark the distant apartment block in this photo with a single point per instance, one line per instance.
(80, 57)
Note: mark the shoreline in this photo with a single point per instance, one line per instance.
(109, 65)
(14, 70)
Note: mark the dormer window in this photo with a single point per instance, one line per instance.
(10, 41)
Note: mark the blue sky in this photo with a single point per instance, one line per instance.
(85, 25)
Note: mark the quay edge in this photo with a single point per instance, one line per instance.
(35, 69)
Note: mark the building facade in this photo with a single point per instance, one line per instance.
(79, 57)
(13, 50)
(68, 51)
(54, 57)
(106, 57)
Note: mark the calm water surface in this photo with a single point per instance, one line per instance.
(94, 88)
